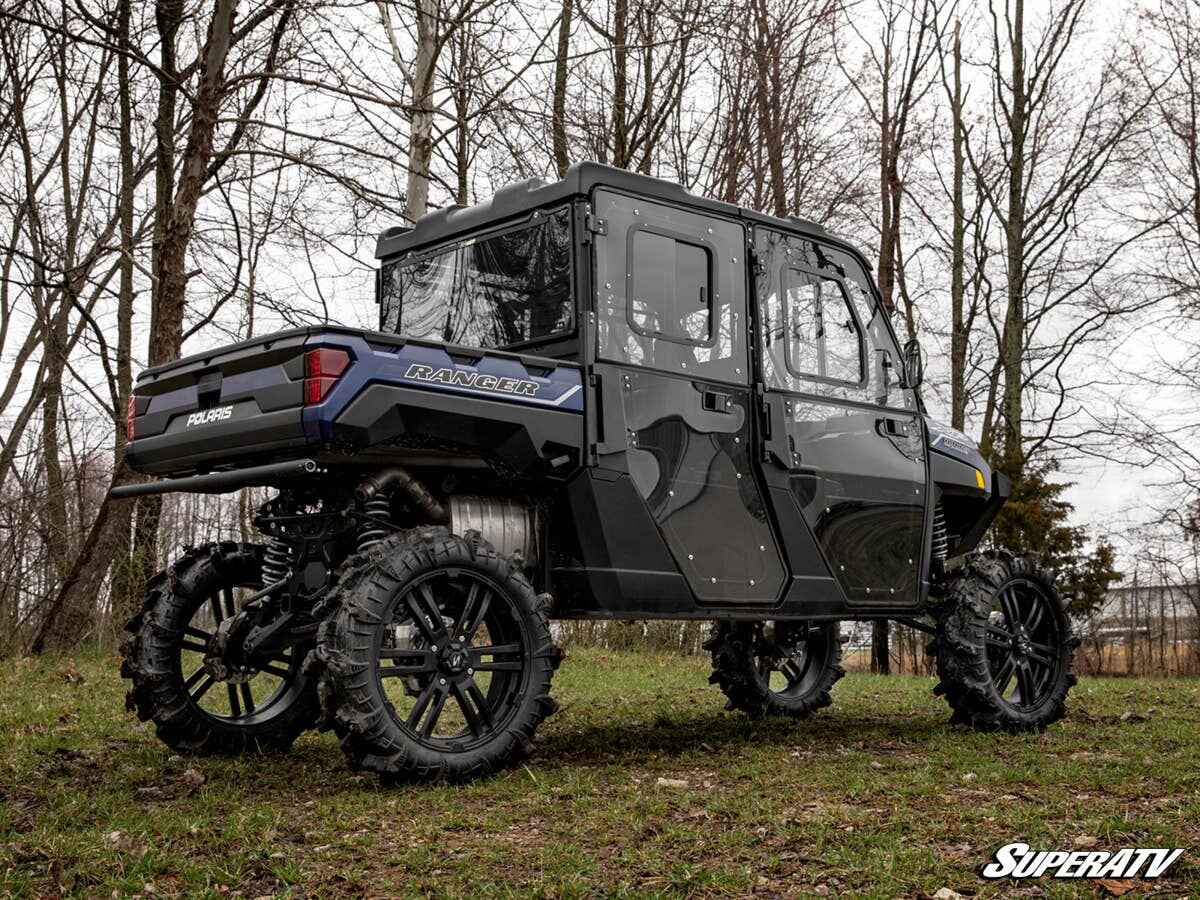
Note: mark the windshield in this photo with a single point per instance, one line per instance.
(508, 289)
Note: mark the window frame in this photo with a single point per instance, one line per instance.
(691, 240)
(816, 278)
(533, 219)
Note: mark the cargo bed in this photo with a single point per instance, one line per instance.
(306, 391)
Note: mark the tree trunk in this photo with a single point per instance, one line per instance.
(887, 224)
(558, 117)
(420, 142)
(168, 336)
(620, 113)
(767, 70)
(958, 332)
(168, 16)
(881, 659)
(58, 538)
(123, 591)
(1014, 322)
(462, 101)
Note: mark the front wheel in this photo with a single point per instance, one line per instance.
(1004, 647)
(264, 707)
(436, 665)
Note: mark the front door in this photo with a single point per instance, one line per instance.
(839, 426)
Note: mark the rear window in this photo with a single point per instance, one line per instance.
(504, 290)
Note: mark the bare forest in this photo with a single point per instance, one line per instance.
(179, 174)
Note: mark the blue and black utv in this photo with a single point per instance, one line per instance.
(598, 398)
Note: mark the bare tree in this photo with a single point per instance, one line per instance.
(1054, 146)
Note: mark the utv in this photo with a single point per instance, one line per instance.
(598, 398)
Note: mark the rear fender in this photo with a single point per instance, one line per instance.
(524, 410)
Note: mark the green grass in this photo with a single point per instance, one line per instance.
(877, 796)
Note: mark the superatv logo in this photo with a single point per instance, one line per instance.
(478, 380)
(216, 414)
(1020, 861)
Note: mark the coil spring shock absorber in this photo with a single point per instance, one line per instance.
(378, 511)
(941, 539)
(277, 561)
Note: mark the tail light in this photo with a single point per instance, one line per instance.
(322, 368)
(130, 412)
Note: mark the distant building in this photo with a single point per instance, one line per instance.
(1143, 629)
(1148, 608)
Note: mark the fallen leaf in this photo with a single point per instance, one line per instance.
(947, 894)
(1085, 841)
(1116, 888)
(671, 783)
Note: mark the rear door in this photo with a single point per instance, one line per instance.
(837, 423)
(671, 325)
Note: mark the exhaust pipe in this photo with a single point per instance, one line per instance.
(219, 482)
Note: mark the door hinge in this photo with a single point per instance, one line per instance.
(595, 224)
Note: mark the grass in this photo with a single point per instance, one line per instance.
(875, 796)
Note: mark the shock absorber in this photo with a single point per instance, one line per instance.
(277, 561)
(941, 539)
(378, 511)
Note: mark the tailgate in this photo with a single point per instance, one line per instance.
(224, 406)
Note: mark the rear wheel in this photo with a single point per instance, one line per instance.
(1005, 646)
(264, 707)
(437, 662)
(776, 668)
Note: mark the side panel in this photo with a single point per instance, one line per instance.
(609, 558)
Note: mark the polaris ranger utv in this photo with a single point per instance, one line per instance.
(598, 398)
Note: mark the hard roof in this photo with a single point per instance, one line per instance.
(515, 199)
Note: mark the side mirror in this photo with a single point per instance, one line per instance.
(914, 364)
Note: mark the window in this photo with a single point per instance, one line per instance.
(671, 288)
(500, 291)
(823, 339)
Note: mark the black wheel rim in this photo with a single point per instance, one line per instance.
(452, 660)
(267, 689)
(786, 658)
(1024, 639)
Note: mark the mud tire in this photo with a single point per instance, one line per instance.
(150, 648)
(347, 656)
(735, 653)
(967, 675)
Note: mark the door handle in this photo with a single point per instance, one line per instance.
(715, 401)
(889, 427)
